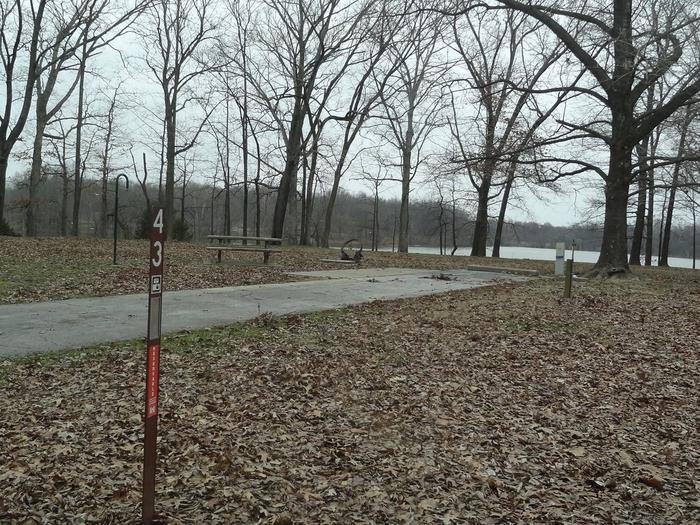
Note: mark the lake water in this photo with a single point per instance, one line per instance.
(539, 254)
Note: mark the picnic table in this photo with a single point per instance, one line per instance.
(240, 243)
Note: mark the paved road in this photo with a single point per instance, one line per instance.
(74, 323)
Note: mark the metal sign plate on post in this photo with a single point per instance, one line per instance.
(559, 261)
(155, 291)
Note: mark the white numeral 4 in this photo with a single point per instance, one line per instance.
(158, 223)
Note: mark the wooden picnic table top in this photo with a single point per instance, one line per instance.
(244, 238)
(239, 248)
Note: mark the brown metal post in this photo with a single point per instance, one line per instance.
(155, 291)
(568, 276)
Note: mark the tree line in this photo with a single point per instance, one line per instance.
(288, 103)
(363, 215)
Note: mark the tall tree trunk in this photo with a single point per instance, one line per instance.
(643, 184)
(103, 200)
(77, 173)
(144, 186)
(310, 197)
(661, 227)
(3, 179)
(406, 172)
(65, 187)
(638, 235)
(692, 209)
(481, 224)
(502, 212)
(227, 209)
(308, 192)
(454, 226)
(245, 148)
(35, 173)
(292, 227)
(304, 175)
(663, 254)
(405, 191)
(227, 175)
(106, 168)
(257, 187)
(440, 222)
(328, 219)
(375, 220)
(65, 191)
(287, 183)
(613, 253)
(337, 175)
(163, 161)
(211, 208)
(182, 202)
(649, 240)
(171, 122)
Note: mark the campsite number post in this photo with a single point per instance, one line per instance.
(155, 293)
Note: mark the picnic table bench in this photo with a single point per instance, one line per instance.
(236, 243)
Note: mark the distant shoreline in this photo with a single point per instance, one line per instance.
(539, 254)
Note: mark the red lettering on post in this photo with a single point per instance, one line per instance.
(152, 389)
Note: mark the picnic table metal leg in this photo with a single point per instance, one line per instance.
(266, 256)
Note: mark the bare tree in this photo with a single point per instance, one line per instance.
(644, 182)
(176, 34)
(301, 38)
(21, 52)
(505, 58)
(105, 161)
(620, 54)
(413, 109)
(68, 37)
(375, 178)
(59, 143)
(77, 173)
(222, 137)
(244, 22)
(374, 72)
(690, 115)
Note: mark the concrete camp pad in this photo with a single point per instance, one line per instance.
(362, 273)
(74, 323)
(501, 269)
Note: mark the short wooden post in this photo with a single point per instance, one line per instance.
(569, 273)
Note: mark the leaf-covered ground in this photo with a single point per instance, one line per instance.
(503, 404)
(56, 268)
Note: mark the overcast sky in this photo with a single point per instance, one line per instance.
(141, 107)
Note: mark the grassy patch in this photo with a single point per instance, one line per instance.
(58, 268)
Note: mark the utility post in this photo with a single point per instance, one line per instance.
(569, 272)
